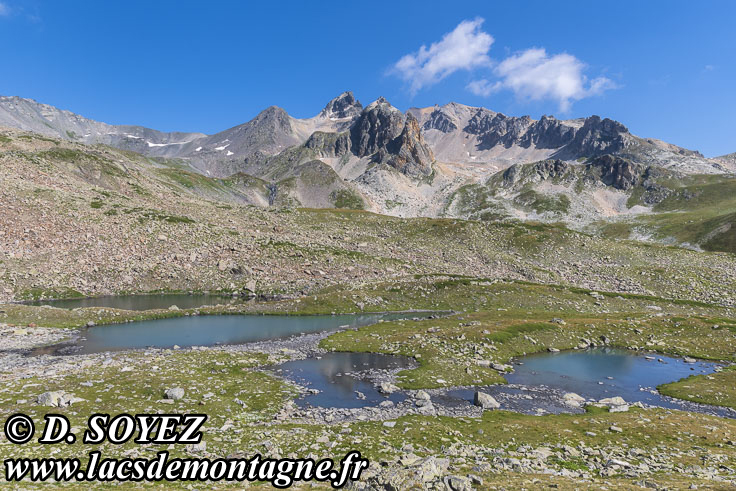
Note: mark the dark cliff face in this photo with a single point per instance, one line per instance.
(618, 172)
(497, 129)
(596, 137)
(548, 132)
(377, 125)
(408, 153)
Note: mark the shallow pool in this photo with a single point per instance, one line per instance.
(209, 330)
(343, 379)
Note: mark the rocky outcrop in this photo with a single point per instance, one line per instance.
(329, 144)
(617, 172)
(727, 161)
(439, 120)
(540, 171)
(551, 169)
(408, 153)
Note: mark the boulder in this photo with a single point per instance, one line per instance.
(612, 401)
(387, 388)
(458, 483)
(422, 395)
(573, 399)
(50, 399)
(486, 401)
(174, 393)
(431, 468)
(57, 399)
(501, 367)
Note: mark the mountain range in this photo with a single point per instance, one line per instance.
(451, 160)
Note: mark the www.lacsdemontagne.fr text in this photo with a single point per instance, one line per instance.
(281, 473)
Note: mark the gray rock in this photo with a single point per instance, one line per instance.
(57, 399)
(612, 401)
(573, 399)
(387, 388)
(200, 447)
(458, 483)
(50, 399)
(422, 395)
(486, 401)
(174, 393)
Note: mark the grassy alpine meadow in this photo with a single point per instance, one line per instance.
(502, 289)
(252, 409)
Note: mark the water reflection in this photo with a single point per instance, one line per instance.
(208, 330)
(602, 373)
(336, 377)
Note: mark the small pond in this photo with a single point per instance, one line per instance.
(602, 373)
(605, 372)
(143, 302)
(209, 330)
(342, 379)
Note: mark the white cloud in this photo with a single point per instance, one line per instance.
(534, 75)
(483, 87)
(531, 74)
(4, 10)
(465, 48)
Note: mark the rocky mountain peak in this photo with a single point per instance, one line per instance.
(381, 102)
(272, 115)
(341, 107)
(377, 125)
(440, 120)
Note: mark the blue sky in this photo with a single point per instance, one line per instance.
(666, 69)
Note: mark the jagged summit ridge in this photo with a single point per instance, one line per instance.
(342, 107)
(469, 142)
